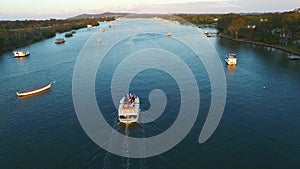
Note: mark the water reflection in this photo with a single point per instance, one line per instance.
(21, 59)
(231, 69)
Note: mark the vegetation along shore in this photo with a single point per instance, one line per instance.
(16, 34)
(276, 30)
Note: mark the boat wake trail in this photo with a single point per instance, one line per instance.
(131, 130)
(125, 160)
(116, 125)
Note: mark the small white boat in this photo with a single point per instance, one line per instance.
(207, 34)
(34, 90)
(60, 40)
(21, 53)
(102, 30)
(293, 57)
(231, 59)
(99, 40)
(129, 109)
(169, 34)
(89, 26)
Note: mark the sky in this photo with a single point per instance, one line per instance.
(61, 9)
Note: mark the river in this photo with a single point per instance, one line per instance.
(259, 127)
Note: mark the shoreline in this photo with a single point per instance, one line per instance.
(261, 44)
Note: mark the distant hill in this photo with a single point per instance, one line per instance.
(95, 16)
(115, 15)
(110, 16)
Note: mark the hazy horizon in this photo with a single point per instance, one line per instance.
(32, 9)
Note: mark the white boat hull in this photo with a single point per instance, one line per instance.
(31, 92)
(293, 57)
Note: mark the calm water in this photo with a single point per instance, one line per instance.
(259, 128)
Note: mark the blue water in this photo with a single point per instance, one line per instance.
(259, 127)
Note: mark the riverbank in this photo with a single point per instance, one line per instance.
(262, 44)
(17, 34)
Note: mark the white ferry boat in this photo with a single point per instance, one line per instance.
(21, 53)
(129, 109)
(231, 59)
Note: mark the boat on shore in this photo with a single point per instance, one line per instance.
(34, 90)
(21, 53)
(60, 41)
(231, 59)
(129, 109)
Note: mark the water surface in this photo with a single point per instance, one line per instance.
(259, 128)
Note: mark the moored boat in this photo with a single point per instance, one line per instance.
(68, 35)
(207, 34)
(60, 40)
(89, 26)
(169, 34)
(34, 90)
(21, 53)
(129, 109)
(293, 57)
(231, 59)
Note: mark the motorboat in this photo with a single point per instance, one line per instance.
(207, 34)
(68, 35)
(34, 90)
(169, 34)
(129, 109)
(231, 59)
(60, 40)
(293, 57)
(21, 53)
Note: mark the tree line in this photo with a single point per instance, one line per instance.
(281, 29)
(15, 34)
